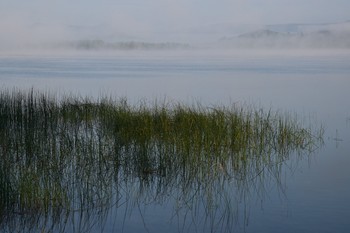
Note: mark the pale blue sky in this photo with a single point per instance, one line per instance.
(125, 16)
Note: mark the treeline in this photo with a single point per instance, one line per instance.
(129, 45)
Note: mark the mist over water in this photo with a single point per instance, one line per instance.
(211, 75)
(113, 25)
(21, 34)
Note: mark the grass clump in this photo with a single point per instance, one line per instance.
(69, 153)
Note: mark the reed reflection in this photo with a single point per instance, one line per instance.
(68, 165)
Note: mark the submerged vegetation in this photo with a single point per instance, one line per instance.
(60, 157)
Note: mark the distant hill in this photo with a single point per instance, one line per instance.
(302, 36)
(302, 28)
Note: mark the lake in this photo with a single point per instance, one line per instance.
(310, 192)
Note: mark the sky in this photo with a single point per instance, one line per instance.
(44, 20)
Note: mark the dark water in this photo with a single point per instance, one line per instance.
(310, 193)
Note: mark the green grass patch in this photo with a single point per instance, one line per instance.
(73, 153)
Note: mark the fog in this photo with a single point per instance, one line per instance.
(170, 24)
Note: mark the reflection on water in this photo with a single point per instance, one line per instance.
(74, 166)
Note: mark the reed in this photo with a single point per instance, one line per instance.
(73, 153)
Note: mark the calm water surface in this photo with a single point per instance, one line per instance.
(312, 192)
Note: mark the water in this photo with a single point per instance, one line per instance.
(312, 193)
